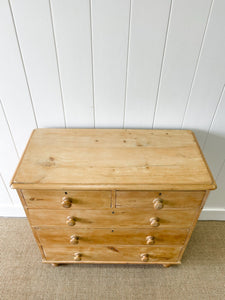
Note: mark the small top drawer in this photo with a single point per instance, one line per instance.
(54, 199)
(159, 199)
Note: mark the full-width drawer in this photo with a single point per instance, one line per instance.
(56, 237)
(137, 218)
(159, 199)
(54, 199)
(113, 253)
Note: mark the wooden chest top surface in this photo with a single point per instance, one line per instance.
(113, 158)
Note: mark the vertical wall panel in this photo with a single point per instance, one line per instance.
(210, 75)
(113, 63)
(149, 21)
(8, 156)
(216, 198)
(71, 19)
(185, 33)
(214, 148)
(33, 24)
(110, 21)
(5, 199)
(14, 92)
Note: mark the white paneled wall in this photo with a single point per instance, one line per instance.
(35, 36)
(184, 38)
(112, 63)
(72, 27)
(148, 28)
(110, 41)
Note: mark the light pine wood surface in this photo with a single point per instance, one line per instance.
(56, 237)
(114, 254)
(169, 199)
(64, 157)
(135, 218)
(134, 196)
(79, 199)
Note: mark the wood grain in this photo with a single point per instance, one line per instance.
(52, 199)
(194, 223)
(33, 230)
(58, 237)
(112, 225)
(114, 253)
(90, 157)
(138, 218)
(182, 199)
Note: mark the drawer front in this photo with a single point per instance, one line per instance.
(112, 218)
(53, 199)
(152, 199)
(113, 253)
(56, 237)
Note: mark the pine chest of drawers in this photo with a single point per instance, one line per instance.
(112, 196)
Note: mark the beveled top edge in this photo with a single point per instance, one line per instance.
(181, 187)
(62, 186)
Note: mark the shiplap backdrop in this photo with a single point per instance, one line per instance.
(112, 64)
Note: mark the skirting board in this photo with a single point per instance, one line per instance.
(207, 214)
(213, 214)
(13, 211)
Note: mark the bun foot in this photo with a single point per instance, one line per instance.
(55, 265)
(167, 265)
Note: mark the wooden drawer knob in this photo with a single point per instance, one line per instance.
(150, 240)
(74, 239)
(77, 256)
(144, 257)
(66, 202)
(154, 222)
(71, 221)
(158, 203)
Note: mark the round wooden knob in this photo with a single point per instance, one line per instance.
(74, 239)
(144, 257)
(77, 256)
(150, 240)
(66, 202)
(154, 222)
(71, 221)
(158, 203)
